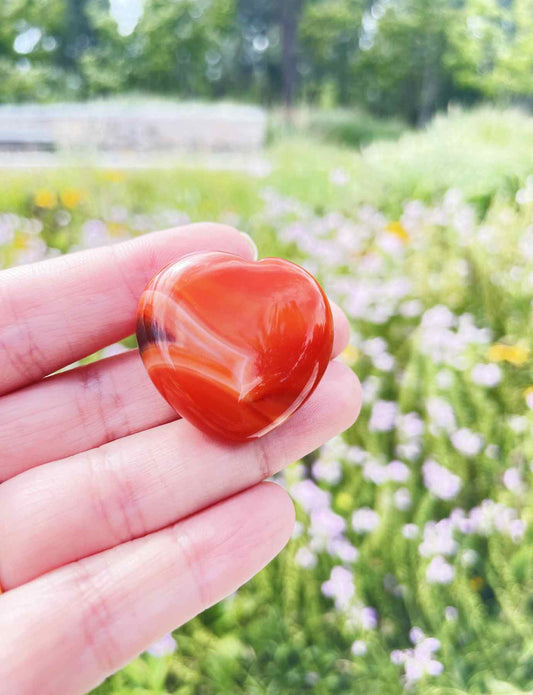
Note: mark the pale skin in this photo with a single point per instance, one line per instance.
(118, 520)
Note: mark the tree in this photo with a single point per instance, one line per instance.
(184, 46)
(493, 44)
(330, 32)
(403, 69)
(29, 31)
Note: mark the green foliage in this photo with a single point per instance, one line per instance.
(493, 50)
(350, 127)
(405, 58)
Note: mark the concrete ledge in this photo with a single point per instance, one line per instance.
(158, 126)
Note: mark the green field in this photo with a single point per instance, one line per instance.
(411, 565)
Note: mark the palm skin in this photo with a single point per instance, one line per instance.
(118, 520)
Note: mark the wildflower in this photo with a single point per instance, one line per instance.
(375, 472)
(410, 425)
(398, 230)
(334, 448)
(419, 661)
(62, 217)
(411, 308)
(328, 471)
(438, 539)
(362, 617)
(71, 197)
(397, 472)
(517, 423)
(410, 531)
(512, 479)
(370, 387)
(356, 455)
(516, 530)
(309, 495)
(467, 442)
(397, 657)
(343, 549)
(488, 375)
(297, 530)
(416, 634)
(383, 416)
(359, 648)
(349, 355)
(338, 177)
(451, 613)
(402, 499)
(163, 647)
(440, 481)
(439, 571)
(365, 520)
(344, 501)
(44, 198)
(339, 587)
(444, 379)
(114, 175)
(305, 558)
(94, 233)
(410, 450)
(438, 316)
(469, 557)
(325, 524)
(441, 414)
(514, 354)
(528, 395)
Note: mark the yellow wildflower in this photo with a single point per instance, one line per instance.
(116, 229)
(349, 355)
(398, 230)
(344, 502)
(20, 241)
(44, 198)
(115, 176)
(72, 197)
(508, 353)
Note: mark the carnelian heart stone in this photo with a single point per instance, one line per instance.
(234, 346)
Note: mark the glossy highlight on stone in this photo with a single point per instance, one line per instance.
(234, 346)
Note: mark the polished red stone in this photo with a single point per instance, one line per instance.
(234, 346)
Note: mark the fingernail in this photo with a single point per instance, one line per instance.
(251, 242)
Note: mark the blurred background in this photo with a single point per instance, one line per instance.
(387, 146)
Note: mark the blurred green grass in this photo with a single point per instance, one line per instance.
(456, 203)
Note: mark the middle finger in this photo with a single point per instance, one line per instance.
(76, 507)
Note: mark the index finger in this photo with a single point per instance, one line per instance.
(57, 311)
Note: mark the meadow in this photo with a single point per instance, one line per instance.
(411, 563)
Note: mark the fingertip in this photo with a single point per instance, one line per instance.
(157, 249)
(350, 394)
(282, 508)
(341, 329)
(222, 237)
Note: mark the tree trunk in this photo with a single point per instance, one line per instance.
(289, 19)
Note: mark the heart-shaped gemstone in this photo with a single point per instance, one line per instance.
(234, 346)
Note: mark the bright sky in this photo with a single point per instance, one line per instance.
(126, 13)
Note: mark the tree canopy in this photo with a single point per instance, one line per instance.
(407, 57)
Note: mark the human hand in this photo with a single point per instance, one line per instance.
(118, 521)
